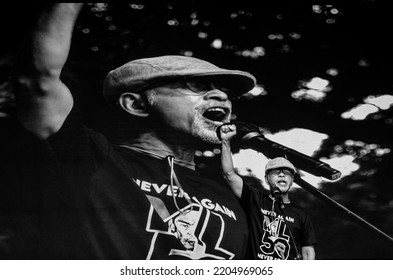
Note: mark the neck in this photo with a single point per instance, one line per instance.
(154, 146)
(284, 197)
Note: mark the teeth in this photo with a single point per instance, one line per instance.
(215, 114)
(216, 110)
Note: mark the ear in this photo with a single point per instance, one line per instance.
(134, 104)
(267, 180)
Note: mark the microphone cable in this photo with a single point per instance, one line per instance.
(281, 206)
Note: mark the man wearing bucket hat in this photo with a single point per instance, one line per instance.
(278, 228)
(122, 200)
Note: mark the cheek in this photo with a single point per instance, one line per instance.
(267, 180)
(175, 112)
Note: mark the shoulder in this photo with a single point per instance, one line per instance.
(297, 209)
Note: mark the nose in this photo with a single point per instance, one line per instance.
(216, 94)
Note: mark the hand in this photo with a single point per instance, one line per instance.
(227, 132)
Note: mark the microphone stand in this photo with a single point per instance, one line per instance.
(250, 132)
(313, 190)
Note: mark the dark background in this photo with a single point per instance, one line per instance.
(354, 38)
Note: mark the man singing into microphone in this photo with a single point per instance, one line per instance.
(278, 229)
(137, 194)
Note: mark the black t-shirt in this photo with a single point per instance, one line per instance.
(110, 202)
(270, 238)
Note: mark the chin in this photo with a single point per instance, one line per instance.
(208, 138)
(206, 132)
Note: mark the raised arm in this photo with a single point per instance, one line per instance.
(228, 170)
(43, 101)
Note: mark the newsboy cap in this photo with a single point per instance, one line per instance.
(140, 74)
(277, 163)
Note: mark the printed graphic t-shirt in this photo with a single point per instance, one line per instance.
(116, 203)
(270, 238)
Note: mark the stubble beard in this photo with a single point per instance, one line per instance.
(201, 129)
(204, 131)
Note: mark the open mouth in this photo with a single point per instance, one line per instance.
(282, 182)
(216, 114)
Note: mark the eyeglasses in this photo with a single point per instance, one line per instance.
(201, 85)
(277, 172)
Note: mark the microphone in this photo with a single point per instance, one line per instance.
(250, 136)
(276, 192)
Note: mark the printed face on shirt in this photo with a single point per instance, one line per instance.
(281, 178)
(184, 226)
(189, 113)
